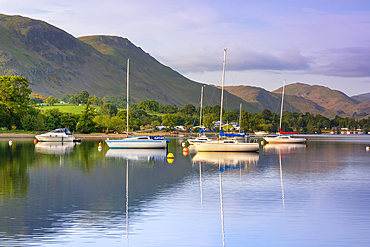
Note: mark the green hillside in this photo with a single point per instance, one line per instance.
(58, 63)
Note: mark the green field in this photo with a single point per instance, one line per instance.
(68, 108)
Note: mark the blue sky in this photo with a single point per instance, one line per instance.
(323, 42)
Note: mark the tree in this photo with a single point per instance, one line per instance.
(85, 123)
(172, 109)
(83, 97)
(72, 100)
(266, 114)
(188, 109)
(51, 100)
(163, 108)
(14, 93)
(149, 105)
(169, 120)
(109, 109)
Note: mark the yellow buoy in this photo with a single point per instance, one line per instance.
(170, 158)
(100, 144)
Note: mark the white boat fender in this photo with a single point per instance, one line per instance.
(10, 143)
(367, 148)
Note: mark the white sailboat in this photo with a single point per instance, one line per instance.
(201, 136)
(136, 141)
(225, 145)
(281, 138)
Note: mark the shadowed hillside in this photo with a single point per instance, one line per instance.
(58, 63)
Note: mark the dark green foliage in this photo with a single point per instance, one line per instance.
(35, 101)
(82, 97)
(109, 109)
(188, 109)
(14, 94)
(85, 123)
(149, 105)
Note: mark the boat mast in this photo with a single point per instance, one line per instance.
(222, 88)
(240, 116)
(201, 107)
(128, 80)
(282, 103)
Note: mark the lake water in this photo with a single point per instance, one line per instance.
(286, 195)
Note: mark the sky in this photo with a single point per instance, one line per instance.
(317, 42)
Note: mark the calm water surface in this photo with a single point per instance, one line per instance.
(286, 195)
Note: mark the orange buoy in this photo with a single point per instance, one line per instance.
(100, 144)
(185, 151)
(35, 141)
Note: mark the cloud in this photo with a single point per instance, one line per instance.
(344, 62)
(237, 60)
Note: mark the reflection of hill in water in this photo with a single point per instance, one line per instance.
(284, 148)
(56, 148)
(226, 158)
(137, 154)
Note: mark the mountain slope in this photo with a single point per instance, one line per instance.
(152, 78)
(260, 98)
(263, 99)
(334, 101)
(362, 97)
(58, 63)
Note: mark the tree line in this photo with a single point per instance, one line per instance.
(19, 111)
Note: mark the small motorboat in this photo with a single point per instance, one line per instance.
(57, 135)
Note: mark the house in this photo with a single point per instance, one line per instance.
(180, 127)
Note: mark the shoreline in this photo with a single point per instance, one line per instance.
(87, 136)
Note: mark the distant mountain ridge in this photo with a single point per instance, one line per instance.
(303, 98)
(362, 97)
(58, 63)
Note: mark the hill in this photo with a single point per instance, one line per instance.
(303, 98)
(362, 97)
(58, 63)
(334, 101)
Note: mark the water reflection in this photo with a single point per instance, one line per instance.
(227, 158)
(105, 199)
(225, 161)
(55, 148)
(137, 154)
(284, 148)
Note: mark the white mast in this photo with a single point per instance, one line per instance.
(222, 88)
(282, 103)
(201, 107)
(240, 116)
(128, 80)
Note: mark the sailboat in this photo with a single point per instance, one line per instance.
(282, 137)
(201, 136)
(136, 141)
(225, 145)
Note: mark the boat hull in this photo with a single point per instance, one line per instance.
(226, 147)
(136, 144)
(54, 138)
(279, 139)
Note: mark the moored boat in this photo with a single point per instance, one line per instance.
(138, 142)
(226, 145)
(57, 135)
(283, 137)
